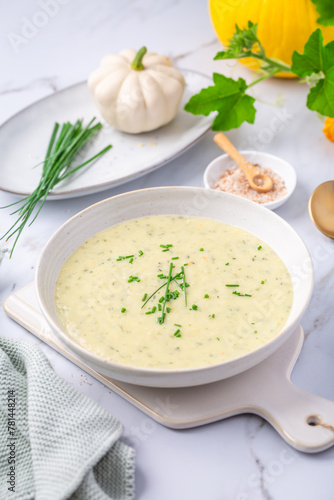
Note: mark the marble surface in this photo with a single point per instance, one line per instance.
(241, 458)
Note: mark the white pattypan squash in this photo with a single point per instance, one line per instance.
(136, 92)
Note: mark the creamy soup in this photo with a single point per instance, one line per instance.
(173, 292)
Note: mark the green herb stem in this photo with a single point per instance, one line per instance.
(162, 317)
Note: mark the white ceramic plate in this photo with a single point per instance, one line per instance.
(281, 167)
(25, 137)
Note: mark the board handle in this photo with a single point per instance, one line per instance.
(310, 426)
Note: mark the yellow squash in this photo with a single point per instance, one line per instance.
(283, 25)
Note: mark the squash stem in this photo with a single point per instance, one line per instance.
(137, 63)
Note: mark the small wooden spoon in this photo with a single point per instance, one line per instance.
(256, 179)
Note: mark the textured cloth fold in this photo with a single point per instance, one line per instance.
(55, 443)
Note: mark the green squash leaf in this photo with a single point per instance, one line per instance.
(325, 9)
(317, 64)
(228, 97)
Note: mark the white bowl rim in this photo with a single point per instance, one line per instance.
(98, 360)
(263, 154)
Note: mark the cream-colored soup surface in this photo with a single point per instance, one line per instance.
(102, 288)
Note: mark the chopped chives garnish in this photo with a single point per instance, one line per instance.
(201, 249)
(166, 250)
(218, 338)
(168, 309)
(152, 311)
(175, 258)
(194, 307)
(255, 331)
(232, 285)
(177, 333)
(161, 300)
(206, 296)
(127, 257)
(227, 264)
(185, 264)
(131, 260)
(161, 276)
(144, 297)
(159, 307)
(262, 282)
(241, 294)
(259, 247)
(213, 316)
(140, 253)
(123, 310)
(133, 278)
(161, 318)
(175, 324)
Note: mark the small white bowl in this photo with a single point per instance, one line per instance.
(281, 167)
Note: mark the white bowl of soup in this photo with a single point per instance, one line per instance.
(174, 286)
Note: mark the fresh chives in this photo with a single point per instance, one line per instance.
(262, 282)
(162, 317)
(201, 249)
(140, 253)
(175, 258)
(184, 285)
(144, 297)
(61, 151)
(152, 295)
(194, 307)
(232, 285)
(123, 310)
(175, 324)
(259, 247)
(177, 333)
(206, 296)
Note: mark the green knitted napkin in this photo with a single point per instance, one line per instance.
(55, 443)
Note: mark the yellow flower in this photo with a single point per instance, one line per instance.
(328, 129)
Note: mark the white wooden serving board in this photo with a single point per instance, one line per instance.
(265, 390)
